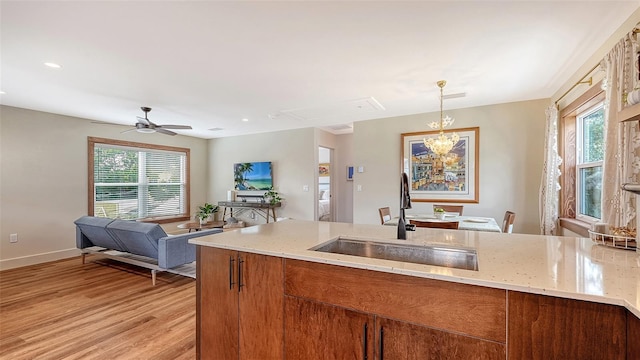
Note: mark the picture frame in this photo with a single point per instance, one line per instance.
(324, 169)
(349, 173)
(454, 178)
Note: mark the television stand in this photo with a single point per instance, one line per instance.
(263, 209)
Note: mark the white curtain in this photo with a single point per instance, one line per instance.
(622, 151)
(550, 187)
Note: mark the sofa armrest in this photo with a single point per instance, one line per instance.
(175, 250)
(81, 240)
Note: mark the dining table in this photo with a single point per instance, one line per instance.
(471, 223)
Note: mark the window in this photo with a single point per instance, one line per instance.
(589, 156)
(137, 181)
(581, 146)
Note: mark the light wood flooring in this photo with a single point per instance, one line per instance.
(100, 310)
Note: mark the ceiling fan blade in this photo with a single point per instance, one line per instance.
(143, 120)
(185, 127)
(166, 132)
(126, 131)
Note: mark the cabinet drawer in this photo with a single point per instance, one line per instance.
(466, 309)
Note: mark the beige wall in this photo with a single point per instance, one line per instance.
(344, 192)
(593, 60)
(597, 74)
(511, 148)
(293, 155)
(43, 180)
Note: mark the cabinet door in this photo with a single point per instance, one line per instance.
(546, 327)
(217, 304)
(261, 290)
(633, 334)
(401, 340)
(320, 331)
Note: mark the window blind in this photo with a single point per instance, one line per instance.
(136, 183)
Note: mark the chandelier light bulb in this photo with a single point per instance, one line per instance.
(441, 145)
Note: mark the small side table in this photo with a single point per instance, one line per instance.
(195, 225)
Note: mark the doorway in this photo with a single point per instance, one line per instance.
(325, 172)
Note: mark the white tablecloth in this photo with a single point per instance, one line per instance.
(473, 223)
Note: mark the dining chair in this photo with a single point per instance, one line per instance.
(507, 223)
(450, 208)
(435, 224)
(385, 215)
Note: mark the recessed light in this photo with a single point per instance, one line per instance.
(245, 119)
(52, 65)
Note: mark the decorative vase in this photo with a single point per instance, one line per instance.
(440, 215)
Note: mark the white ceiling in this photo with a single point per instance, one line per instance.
(285, 65)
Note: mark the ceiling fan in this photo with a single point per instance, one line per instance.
(144, 125)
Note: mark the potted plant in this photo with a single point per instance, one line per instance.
(272, 196)
(205, 212)
(439, 213)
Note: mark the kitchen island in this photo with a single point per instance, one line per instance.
(263, 294)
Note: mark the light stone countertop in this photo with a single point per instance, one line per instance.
(568, 267)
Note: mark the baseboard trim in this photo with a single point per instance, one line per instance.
(7, 264)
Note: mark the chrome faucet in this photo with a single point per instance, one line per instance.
(405, 203)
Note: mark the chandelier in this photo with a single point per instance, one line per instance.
(441, 145)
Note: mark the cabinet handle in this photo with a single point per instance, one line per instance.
(231, 283)
(381, 357)
(240, 284)
(364, 342)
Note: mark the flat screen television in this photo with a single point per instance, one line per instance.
(256, 176)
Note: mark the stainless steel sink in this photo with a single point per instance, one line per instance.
(466, 259)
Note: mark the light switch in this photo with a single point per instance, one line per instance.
(305, 187)
(359, 188)
(360, 169)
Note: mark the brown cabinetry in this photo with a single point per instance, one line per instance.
(633, 336)
(262, 307)
(239, 306)
(322, 331)
(403, 340)
(414, 318)
(545, 327)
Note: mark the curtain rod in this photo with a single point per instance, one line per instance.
(581, 81)
(636, 30)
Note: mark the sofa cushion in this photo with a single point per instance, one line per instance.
(140, 238)
(95, 230)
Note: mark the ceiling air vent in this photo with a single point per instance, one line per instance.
(348, 109)
(453, 96)
(339, 127)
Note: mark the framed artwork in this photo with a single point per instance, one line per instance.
(323, 169)
(349, 173)
(451, 178)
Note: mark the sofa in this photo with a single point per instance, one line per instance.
(138, 243)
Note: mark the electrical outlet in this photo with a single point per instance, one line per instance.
(359, 188)
(13, 238)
